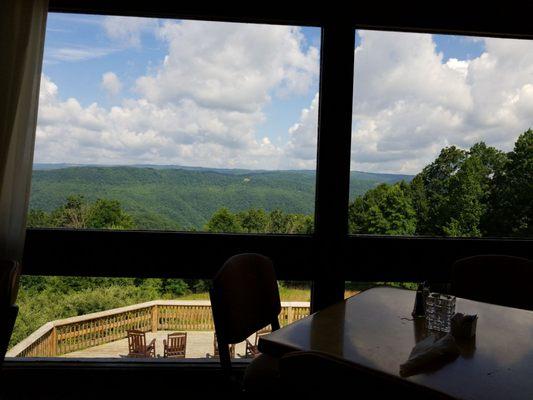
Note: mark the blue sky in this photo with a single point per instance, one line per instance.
(238, 95)
(79, 75)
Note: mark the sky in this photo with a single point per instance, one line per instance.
(124, 90)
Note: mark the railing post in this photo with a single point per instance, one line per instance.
(53, 342)
(155, 317)
(290, 315)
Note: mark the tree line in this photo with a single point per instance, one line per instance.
(479, 192)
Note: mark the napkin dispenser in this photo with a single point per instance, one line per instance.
(464, 326)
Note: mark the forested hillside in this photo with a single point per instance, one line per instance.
(159, 197)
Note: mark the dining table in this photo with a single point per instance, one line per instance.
(375, 331)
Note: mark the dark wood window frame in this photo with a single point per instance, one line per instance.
(330, 256)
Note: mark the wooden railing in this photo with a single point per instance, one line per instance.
(63, 336)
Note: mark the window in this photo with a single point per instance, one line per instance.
(297, 257)
(441, 136)
(176, 125)
(168, 125)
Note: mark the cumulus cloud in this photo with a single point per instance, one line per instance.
(127, 31)
(230, 66)
(409, 102)
(204, 103)
(202, 106)
(111, 83)
(301, 149)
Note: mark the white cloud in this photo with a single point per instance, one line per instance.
(230, 66)
(127, 31)
(301, 149)
(409, 103)
(77, 53)
(111, 83)
(201, 107)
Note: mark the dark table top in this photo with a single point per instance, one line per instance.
(375, 330)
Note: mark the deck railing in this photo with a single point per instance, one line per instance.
(63, 336)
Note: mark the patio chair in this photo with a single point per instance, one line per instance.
(251, 349)
(216, 353)
(137, 345)
(496, 279)
(174, 345)
(245, 299)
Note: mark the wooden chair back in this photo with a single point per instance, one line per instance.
(262, 332)
(244, 299)
(216, 353)
(175, 345)
(495, 279)
(136, 343)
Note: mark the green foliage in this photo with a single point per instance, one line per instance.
(77, 213)
(180, 198)
(385, 210)
(257, 221)
(510, 201)
(46, 298)
(477, 192)
(223, 221)
(253, 221)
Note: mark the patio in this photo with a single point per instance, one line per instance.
(199, 345)
(104, 334)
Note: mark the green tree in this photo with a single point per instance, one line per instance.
(510, 205)
(386, 210)
(450, 195)
(254, 220)
(73, 214)
(38, 219)
(277, 222)
(77, 213)
(108, 214)
(223, 220)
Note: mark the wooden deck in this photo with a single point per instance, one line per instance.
(199, 345)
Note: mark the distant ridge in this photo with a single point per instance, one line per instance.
(174, 197)
(241, 171)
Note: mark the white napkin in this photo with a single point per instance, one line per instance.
(430, 354)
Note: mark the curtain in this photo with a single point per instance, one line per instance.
(22, 31)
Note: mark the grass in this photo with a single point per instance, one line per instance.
(303, 293)
(286, 294)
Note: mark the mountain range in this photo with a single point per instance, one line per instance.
(177, 197)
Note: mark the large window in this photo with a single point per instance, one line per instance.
(441, 136)
(176, 125)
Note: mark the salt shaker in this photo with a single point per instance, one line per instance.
(419, 310)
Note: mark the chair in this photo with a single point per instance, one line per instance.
(251, 349)
(216, 353)
(312, 373)
(496, 279)
(174, 345)
(137, 344)
(244, 299)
